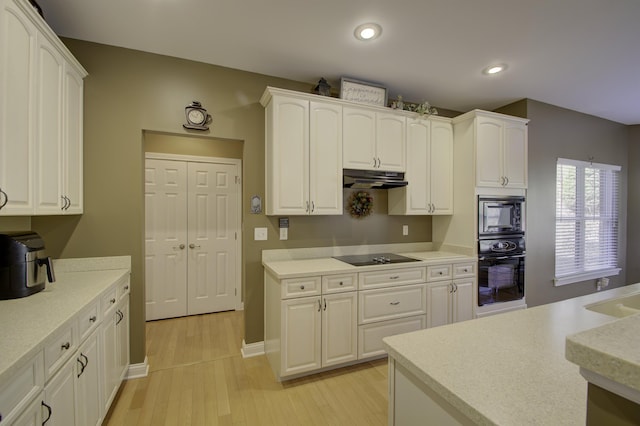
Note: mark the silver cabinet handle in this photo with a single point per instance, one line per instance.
(307, 209)
(319, 305)
(193, 246)
(374, 162)
(68, 202)
(507, 179)
(394, 277)
(313, 207)
(455, 287)
(325, 304)
(394, 303)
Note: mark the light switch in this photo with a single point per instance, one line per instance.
(405, 229)
(284, 234)
(260, 234)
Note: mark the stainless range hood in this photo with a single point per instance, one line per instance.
(372, 179)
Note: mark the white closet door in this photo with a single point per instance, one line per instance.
(165, 238)
(213, 226)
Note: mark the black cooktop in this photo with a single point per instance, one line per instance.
(374, 259)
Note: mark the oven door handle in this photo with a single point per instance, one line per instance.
(502, 257)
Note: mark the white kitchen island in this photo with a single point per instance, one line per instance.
(507, 369)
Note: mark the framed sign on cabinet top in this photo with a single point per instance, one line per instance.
(363, 92)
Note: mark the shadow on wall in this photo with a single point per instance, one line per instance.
(56, 231)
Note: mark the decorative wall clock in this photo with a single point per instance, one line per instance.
(197, 117)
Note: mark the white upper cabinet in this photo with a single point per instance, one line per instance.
(501, 152)
(429, 170)
(41, 117)
(303, 155)
(17, 116)
(373, 140)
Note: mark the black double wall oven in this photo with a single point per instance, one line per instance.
(501, 249)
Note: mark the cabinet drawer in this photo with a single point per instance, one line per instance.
(464, 270)
(59, 349)
(339, 283)
(88, 320)
(439, 272)
(391, 277)
(18, 389)
(123, 288)
(108, 300)
(299, 287)
(370, 336)
(391, 303)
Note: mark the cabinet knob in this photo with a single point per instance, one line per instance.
(340, 282)
(126, 287)
(440, 272)
(92, 318)
(65, 346)
(112, 301)
(301, 287)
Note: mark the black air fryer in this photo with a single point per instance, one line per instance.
(21, 261)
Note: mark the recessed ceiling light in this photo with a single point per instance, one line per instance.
(368, 31)
(494, 69)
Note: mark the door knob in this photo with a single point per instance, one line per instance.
(193, 246)
(180, 247)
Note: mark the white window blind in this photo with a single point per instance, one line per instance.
(587, 206)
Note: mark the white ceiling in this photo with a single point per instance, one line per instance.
(579, 54)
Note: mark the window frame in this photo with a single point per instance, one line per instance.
(610, 197)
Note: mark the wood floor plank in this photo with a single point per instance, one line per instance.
(198, 377)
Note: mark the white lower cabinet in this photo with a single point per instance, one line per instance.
(115, 350)
(75, 374)
(32, 415)
(450, 295)
(318, 332)
(317, 322)
(58, 404)
(88, 400)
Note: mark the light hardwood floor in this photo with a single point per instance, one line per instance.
(197, 376)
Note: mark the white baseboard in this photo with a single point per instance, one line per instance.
(138, 370)
(252, 349)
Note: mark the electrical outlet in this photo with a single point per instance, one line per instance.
(405, 229)
(284, 234)
(260, 234)
(601, 283)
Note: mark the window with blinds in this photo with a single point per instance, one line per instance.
(587, 206)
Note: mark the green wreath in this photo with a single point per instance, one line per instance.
(360, 204)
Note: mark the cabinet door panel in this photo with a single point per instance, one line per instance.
(463, 300)
(339, 328)
(438, 304)
(325, 159)
(390, 142)
(301, 337)
(49, 128)
(287, 156)
(359, 136)
(73, 104)
(489, 152)
(17, 117)
(515, 154)
(441, 168)
(59, 394)
(418, 138)
(88, 383)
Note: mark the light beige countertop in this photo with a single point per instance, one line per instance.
(27, 322)
(510, 368)
(612, 352)
(307, 265)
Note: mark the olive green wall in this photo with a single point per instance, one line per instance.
(557, 132)
(130, 95)
(633, 209)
